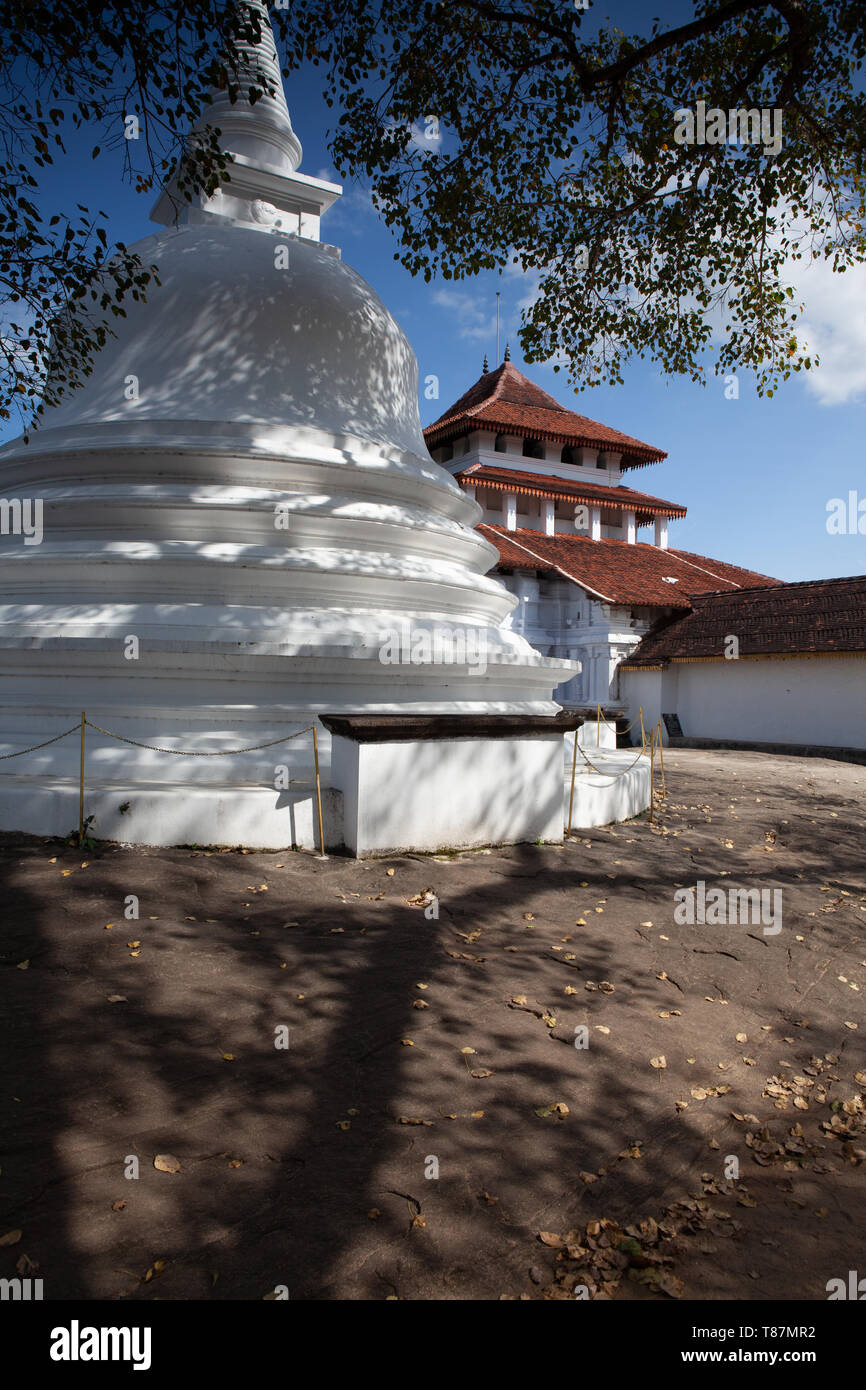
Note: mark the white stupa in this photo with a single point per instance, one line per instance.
(239, 508)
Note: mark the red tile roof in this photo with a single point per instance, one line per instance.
(544, 485)
(617, 572)
(507, 401)
(820, 615)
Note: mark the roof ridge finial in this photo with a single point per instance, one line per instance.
(507, 357)
(485, 369)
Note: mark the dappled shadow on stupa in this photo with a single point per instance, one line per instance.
(306, 1167)
(250, 327)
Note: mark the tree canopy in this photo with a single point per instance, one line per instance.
(92, 68)
(656, 186)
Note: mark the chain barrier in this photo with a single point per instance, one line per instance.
(178, 752)
(48, 741)
(186, 753)
(655, 733)
(604, 720)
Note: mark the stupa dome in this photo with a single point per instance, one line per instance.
(248, 329)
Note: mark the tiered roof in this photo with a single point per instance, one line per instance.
(617, 572)
(545, 485)
(508, 402)
(820, 616)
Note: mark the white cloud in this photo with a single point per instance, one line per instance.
(471, 312)
(833, 325)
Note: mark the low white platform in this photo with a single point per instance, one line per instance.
(617, 791)
(459, 793)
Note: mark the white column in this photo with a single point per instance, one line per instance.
(509, 511)
(630, 527)
(595, 523)
(586, 457)
(548, 507)
(661, 532)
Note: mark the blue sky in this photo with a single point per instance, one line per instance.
(755, 474)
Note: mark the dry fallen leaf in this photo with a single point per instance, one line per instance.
(166, 1163)
(658, 1062)
(11, 1238)
(549, 1238)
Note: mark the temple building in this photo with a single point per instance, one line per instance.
(716, 653)
(566, 525)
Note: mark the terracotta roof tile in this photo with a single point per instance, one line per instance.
(620, 573)
(820, 615)
(507, 401)
(544, 485)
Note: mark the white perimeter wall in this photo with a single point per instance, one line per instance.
(809, 700)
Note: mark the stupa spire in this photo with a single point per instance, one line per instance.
(264, 188)
(261, 132)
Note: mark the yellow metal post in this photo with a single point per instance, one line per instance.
(318, 790)
(642, 730)
(573, 768)
(81, 787)
(597, 725)
(652, 774)
(661, 760)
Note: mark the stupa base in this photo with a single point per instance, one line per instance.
(393, 784)
(166, 814)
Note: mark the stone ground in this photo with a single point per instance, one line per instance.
(413, 1039)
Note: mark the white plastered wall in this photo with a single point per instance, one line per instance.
(807, 700)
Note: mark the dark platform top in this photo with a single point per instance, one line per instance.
(407, 728)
